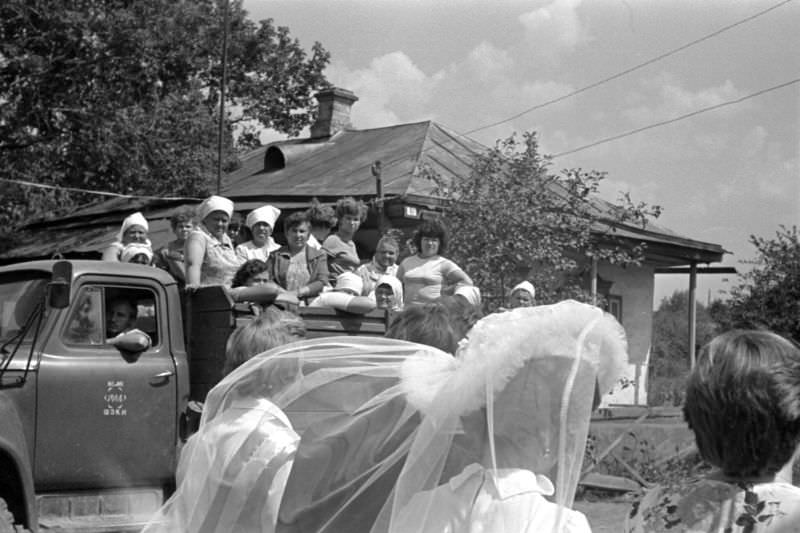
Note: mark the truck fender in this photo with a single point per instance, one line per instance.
(16, 471)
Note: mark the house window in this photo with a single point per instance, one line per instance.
(614, 306)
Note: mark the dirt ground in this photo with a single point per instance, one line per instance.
(604, 516)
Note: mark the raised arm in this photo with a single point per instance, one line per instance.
(194, 252)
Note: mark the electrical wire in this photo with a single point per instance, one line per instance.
(675, 119)
(631, 69)
(95, 192)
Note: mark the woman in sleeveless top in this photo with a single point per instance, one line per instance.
(209, 254)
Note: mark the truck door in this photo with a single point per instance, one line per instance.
(105, 418)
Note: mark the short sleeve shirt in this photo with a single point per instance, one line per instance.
(711, 506)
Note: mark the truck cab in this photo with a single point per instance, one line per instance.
(89, 428)
(91, 425)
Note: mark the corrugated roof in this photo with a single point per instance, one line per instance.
(288, 173)
(341, 165)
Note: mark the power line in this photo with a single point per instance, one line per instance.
(90, 191)
(631, 69)
(676, 119)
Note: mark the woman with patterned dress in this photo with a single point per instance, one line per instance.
(209, 254)
(743, 404)
(296, 267)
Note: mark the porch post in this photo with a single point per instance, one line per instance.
(692, 312)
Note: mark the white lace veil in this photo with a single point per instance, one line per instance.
(383, 421)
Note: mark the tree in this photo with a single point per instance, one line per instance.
(511, 218)
(768, 295)
(669, 356)
(123, 95)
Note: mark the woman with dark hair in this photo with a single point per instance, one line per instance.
(297, 267)
(252, 272)
(426, 273)
(340, 247)
(743, 405)
(322, 219)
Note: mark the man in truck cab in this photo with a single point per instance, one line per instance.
(121, 316)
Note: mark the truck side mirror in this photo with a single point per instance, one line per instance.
(58, 290)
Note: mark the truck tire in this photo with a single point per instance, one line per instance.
(7, 520)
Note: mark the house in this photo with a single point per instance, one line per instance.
(338, 160)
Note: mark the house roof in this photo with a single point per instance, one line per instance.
(340, 165)
(289, 173)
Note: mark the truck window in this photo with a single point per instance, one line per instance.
(100, 313)
(85, 321)
(20, 296)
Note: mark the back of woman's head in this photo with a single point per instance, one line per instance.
(434, 324)
(272, 328)
(743, 402)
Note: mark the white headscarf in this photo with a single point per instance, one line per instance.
(525, 286)
(214, 203)
(471, 293)
(397, 288)
(135, 248)
(265, 213)
(136, 219)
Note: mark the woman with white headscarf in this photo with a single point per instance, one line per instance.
(133, 230)
(399, 437)
(209, 254)
(261, 223)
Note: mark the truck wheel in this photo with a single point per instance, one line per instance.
(7, 520)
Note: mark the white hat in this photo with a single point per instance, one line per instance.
(471, 293)
(133, 249)
(265, 213)
(214, 203)
(525, 286)
(136, 219)
(350, 281)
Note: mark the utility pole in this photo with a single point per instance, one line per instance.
(376, 173)
(222, 87)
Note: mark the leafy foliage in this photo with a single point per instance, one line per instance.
(122, 95)
(768, 295)
(669, 357)
(513, 219)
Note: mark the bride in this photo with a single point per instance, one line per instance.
(398, 437)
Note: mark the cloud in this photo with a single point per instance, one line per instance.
(486, 62)
(391, 89)
(557, 23)
(673, 100)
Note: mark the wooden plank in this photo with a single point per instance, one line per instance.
(607, 482)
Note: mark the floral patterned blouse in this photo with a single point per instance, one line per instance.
(711, 506)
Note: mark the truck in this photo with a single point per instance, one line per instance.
(91, 429)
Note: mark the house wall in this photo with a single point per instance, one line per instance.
(635, 286)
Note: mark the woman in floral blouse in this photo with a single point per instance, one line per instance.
(743, 404)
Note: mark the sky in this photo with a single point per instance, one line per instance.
(719, 177)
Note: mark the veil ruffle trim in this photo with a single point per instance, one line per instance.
(499, 346)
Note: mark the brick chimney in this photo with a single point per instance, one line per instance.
(334, 112)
